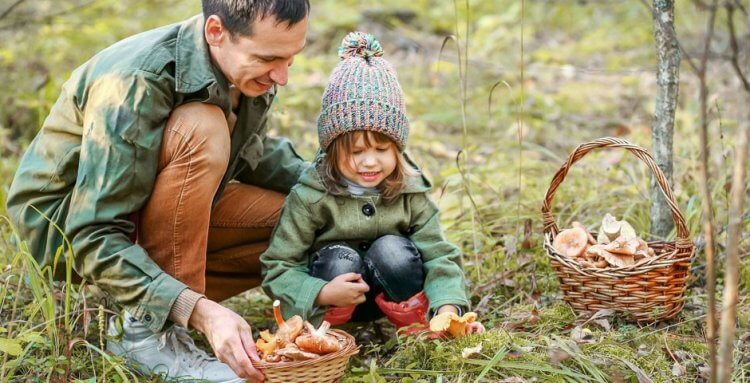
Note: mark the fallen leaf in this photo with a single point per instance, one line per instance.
(469, 351)
(514, 379)
(603, 323)
(582, 335)
(678, 369)
(643, 350)
(639, 373)
(557, 356)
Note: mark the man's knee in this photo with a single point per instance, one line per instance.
(200, 131)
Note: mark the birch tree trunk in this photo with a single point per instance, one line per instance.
(662, 128)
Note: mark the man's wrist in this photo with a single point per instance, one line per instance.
(184, 306)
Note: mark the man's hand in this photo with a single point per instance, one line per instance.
(344, 290)
(229, 335)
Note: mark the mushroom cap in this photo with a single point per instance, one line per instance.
(591, 238)
(623, 245)
(571, 242)
(289, 330)
(617, 260)
(452, 323)
(293, 352)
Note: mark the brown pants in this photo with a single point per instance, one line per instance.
(216, 250)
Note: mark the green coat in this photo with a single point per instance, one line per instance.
(95, 159)
(312, 218)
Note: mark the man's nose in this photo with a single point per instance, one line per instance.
(280, 74)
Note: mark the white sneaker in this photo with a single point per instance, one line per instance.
(171, 352)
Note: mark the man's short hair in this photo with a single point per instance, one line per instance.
(238, 15)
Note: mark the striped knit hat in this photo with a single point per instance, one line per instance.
(362, 94)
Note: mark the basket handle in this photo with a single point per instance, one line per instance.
(608, 142)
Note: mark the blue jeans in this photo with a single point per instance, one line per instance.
(391, 264)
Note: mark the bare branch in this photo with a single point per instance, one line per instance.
(48, 17)
(735, 47)
(10, 9)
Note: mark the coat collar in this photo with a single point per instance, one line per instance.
(194, 69)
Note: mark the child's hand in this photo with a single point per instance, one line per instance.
(344, 290)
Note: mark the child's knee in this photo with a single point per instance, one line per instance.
(392, 254)
(334, 260)
(396, 265)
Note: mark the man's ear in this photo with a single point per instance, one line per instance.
(215, 31)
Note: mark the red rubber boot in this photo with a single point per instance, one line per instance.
(338, 315)
(412, 311)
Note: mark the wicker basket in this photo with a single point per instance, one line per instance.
(652, 289)
(327, 368)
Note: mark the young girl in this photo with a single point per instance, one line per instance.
(358, 237)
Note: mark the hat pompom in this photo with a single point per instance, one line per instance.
(360, 44)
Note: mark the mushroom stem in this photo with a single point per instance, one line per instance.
(277, 312)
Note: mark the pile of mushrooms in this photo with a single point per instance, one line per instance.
(295, 340)
(616, 244)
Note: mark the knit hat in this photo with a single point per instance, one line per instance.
(362, 94)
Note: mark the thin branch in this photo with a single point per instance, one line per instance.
(10, 9)
(735, 47)
(48, 17)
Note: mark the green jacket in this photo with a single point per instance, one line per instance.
(94, 161)
(313, 218)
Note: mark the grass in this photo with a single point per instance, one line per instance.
(574, 90)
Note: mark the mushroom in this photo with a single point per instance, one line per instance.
(592, 240)
(293, 352)
(318, 341)
(571, 242)
(613, 259)
(451, 322)
(267, 343)
(623, 246)
(609, 230)
(289, 329)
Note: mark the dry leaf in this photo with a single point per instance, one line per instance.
(557, 356)
(582, 335)
(678, 369)
(603, 323)
(469, 351)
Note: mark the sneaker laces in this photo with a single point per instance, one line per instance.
(184, 347)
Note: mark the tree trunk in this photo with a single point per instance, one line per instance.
(731, 270)
(662, 129)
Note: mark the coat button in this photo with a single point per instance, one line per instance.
(147, 317)
(368, 210)
(364, 245)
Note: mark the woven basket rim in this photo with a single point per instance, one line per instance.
(350, 348)
(664, 259)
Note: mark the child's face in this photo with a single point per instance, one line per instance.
(369, 165)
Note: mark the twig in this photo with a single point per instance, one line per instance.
(10, 9)
(48, 17)
(735, 47)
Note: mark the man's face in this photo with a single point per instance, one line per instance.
(255, 63)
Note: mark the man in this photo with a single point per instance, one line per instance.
(155, 164)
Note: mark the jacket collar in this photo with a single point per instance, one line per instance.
(194, 69)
